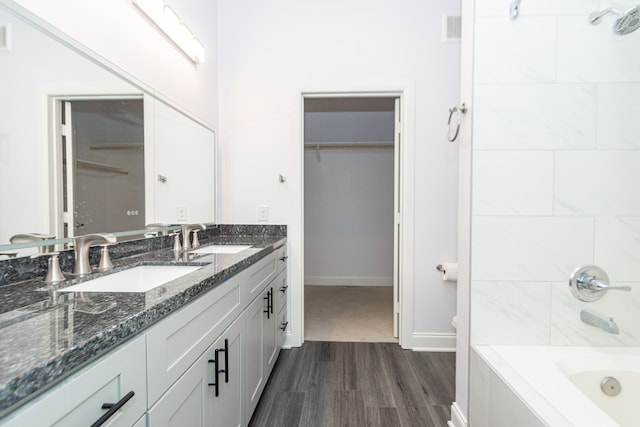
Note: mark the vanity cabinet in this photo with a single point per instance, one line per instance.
(206, 364)
(78, 400)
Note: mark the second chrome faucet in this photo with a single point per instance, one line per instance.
(81, 245)
(187, 243)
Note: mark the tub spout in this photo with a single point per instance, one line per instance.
(592, 318)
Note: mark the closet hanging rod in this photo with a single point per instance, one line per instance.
(124, 146)
(348, 146)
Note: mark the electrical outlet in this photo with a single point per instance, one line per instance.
(263, 213)
(181, 212)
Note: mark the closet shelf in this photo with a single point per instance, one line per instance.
(367, 145)
(87, 164)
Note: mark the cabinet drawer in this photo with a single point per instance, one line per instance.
(179, 340)
(78, 400)
(281, 257)
(280, 290)
(283, 325)
(260, 274)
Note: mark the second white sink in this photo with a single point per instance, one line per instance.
(137, 279)
(221, 249)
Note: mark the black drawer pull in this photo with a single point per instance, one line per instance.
(112, 409)
(284, 288)
(283, 258)
(283, 326)
(218, 371)
(216, 382)
(226, 360)
(269, 298)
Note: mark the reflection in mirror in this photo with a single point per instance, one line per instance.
(43, 68)
(102, 165)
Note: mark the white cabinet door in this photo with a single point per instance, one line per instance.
(255, 375)
(77, 401)
(186, 402)
(269, 335)
(228, 407)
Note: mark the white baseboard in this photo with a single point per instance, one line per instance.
(347, 281)
(433, 342)
(457, 417)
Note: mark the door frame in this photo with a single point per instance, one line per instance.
(405, 272)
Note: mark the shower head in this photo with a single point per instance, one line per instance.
(627, 22)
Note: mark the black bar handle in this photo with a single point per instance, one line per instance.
(271, 299)
(283, 326)
(269, 309)
(112, 409)
(283, 258)
(226, 360)
(284, 288)
(215, 368)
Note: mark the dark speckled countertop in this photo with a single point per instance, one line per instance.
(45, 334)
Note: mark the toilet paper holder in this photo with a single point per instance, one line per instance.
(448, 271)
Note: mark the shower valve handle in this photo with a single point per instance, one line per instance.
(595, 284)
(590, 283)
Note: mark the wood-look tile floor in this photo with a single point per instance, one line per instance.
(330, 384)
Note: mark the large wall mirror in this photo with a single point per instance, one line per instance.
(84, 148)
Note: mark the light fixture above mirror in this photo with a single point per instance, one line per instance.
(165, 18)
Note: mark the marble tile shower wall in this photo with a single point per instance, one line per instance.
(556, 172)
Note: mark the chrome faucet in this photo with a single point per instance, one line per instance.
(81, 245)
(186, 234)
(592, 318)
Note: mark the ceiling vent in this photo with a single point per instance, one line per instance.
(451, 28)
(5, 37)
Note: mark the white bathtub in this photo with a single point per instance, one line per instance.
(561, 385)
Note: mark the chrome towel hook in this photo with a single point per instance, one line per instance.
(459, 112)
(514, 9)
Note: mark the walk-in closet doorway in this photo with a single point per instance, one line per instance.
(352, 190)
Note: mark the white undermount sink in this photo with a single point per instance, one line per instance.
(221, 249)
(137, 279)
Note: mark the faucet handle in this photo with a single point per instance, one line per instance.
(176, 241)
(105, 259)
(54, 274)
(195, 243)
(594, 283)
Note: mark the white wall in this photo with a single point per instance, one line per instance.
(119, 32)
(270, 52)
(556, 156)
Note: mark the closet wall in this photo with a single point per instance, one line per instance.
(349, 197)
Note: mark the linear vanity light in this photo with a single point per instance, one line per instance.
(166, 20)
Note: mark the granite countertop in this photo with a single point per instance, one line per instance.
(47, 334)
